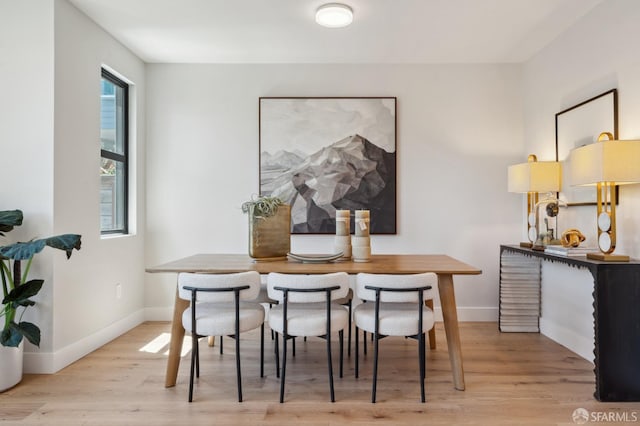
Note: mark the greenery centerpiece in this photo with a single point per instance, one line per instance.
(17, 288)
(269, 227)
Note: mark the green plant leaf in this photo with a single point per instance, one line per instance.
(31, 332)
(11, 336)
(66, 242)
(9, 219)
(21, 293)
(23, 251)
(262, 206)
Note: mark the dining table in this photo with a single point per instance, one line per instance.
(444, 266)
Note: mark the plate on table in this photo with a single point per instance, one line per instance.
(314, 258)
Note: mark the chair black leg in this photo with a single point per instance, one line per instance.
(333, 397)
(272, 333)
(197, 351)
(293, 347)
(284, 366)
(364, 341)
(375, 366)
(262, 350)
(277, 350)
(238, 374)
(349, 332)
(194, 354)
(220, 345)
(421, 357)
(357, 352)
(341, 335)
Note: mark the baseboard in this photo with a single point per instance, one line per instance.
(470, 314)
(582, 346)
(52, 362)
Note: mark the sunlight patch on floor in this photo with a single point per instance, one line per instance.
(161, 343)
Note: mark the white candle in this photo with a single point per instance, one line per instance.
(362, 223)
(342, 222)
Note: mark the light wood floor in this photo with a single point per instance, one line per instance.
(511, 379)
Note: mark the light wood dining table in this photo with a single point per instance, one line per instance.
(444, 266)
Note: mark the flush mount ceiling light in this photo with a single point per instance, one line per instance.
(334, 15)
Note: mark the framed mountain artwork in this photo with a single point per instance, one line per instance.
(320, 155)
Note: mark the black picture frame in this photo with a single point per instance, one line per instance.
(322, 154)
(580, 125)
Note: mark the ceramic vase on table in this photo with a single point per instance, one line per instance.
(342, 242)
(361, 241)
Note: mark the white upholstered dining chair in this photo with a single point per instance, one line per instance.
(220, 305)
(398, 310)
(306, 307)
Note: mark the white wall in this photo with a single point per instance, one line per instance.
(598, 53)
(51, 147)
(459, 127)
(87, 312)
(26, 117)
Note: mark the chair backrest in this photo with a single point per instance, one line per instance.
(251, 278)
(395, 281)
(299, 281)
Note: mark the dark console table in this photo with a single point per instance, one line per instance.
(616, 314)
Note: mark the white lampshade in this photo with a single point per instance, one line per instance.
(606, 161)
(334, 15)
(535, 176)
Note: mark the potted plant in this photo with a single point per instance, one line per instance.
(269, 227)
(17, 291)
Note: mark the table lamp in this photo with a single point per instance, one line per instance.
(605, 164)
(532, 178)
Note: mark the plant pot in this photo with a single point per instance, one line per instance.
(10, 366)
(270, 237)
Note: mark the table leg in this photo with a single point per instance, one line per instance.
(175, 345)
(450, 316)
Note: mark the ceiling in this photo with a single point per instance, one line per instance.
(383, 31)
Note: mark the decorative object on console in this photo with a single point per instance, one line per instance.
(342, 241)
(532, 178)
(568, 251)
(269, 228)
(572, 238)
(579, 125)
(361, 240)
(320, 155)
(552, 208)
(606, 163)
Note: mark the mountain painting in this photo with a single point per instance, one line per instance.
(320, 155)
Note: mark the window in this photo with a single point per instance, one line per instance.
(114, 134)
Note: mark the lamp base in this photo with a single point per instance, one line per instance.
(526, 244)
(608, 257)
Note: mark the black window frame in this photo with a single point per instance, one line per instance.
(122, 158)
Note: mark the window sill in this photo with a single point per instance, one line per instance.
(115, 236)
